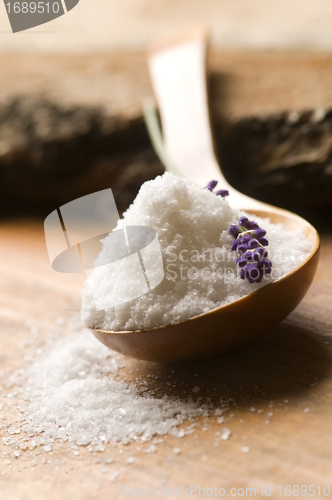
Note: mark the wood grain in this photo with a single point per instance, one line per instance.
(288, 370)
(243, 83)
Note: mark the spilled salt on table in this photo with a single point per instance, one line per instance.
(200, 270)
(57, 404)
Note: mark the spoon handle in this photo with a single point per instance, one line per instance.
(178, 73)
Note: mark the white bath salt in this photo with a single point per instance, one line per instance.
(225, 434)
(200, 270)
(150, 449)
(58, 404)
(113, 476)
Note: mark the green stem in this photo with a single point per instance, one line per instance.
(247, 232)
(156, 137)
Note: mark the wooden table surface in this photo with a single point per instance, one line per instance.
(280, 392)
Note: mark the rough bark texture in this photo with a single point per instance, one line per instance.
(283, 159)
(78, 128)
(50, 155)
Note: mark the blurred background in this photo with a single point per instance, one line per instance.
(71, 94)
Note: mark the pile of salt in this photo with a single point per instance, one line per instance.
(200, 271)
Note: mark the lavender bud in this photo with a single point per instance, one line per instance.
(243, 221)
(235, 244)
(241, 262)
(246, 239)
(263, 241)
(242, 248)
(249, 256)
(259, 233)
(222, 192)
(233, 230)
(253, 273)
(262, 252)
(211, 185)
(253, 244)
(251, 224)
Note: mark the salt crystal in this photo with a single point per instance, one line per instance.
(150, 449)
(130, 460)
(176, 451)
(180, 434)
(113, 476)
(192, 229)
(245, 449)
(225, 434)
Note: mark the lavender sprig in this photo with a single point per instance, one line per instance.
(212, 184)
(249, 243)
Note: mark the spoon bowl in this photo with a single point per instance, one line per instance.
(178, 73)
(228, 327)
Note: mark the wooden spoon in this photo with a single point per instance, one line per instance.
(179, 79)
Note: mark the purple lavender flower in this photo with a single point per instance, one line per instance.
(249, 243)
(212, 184)
(251, 224)
(222, 192)
(253, 244)
(243, 221)
(234, 230)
